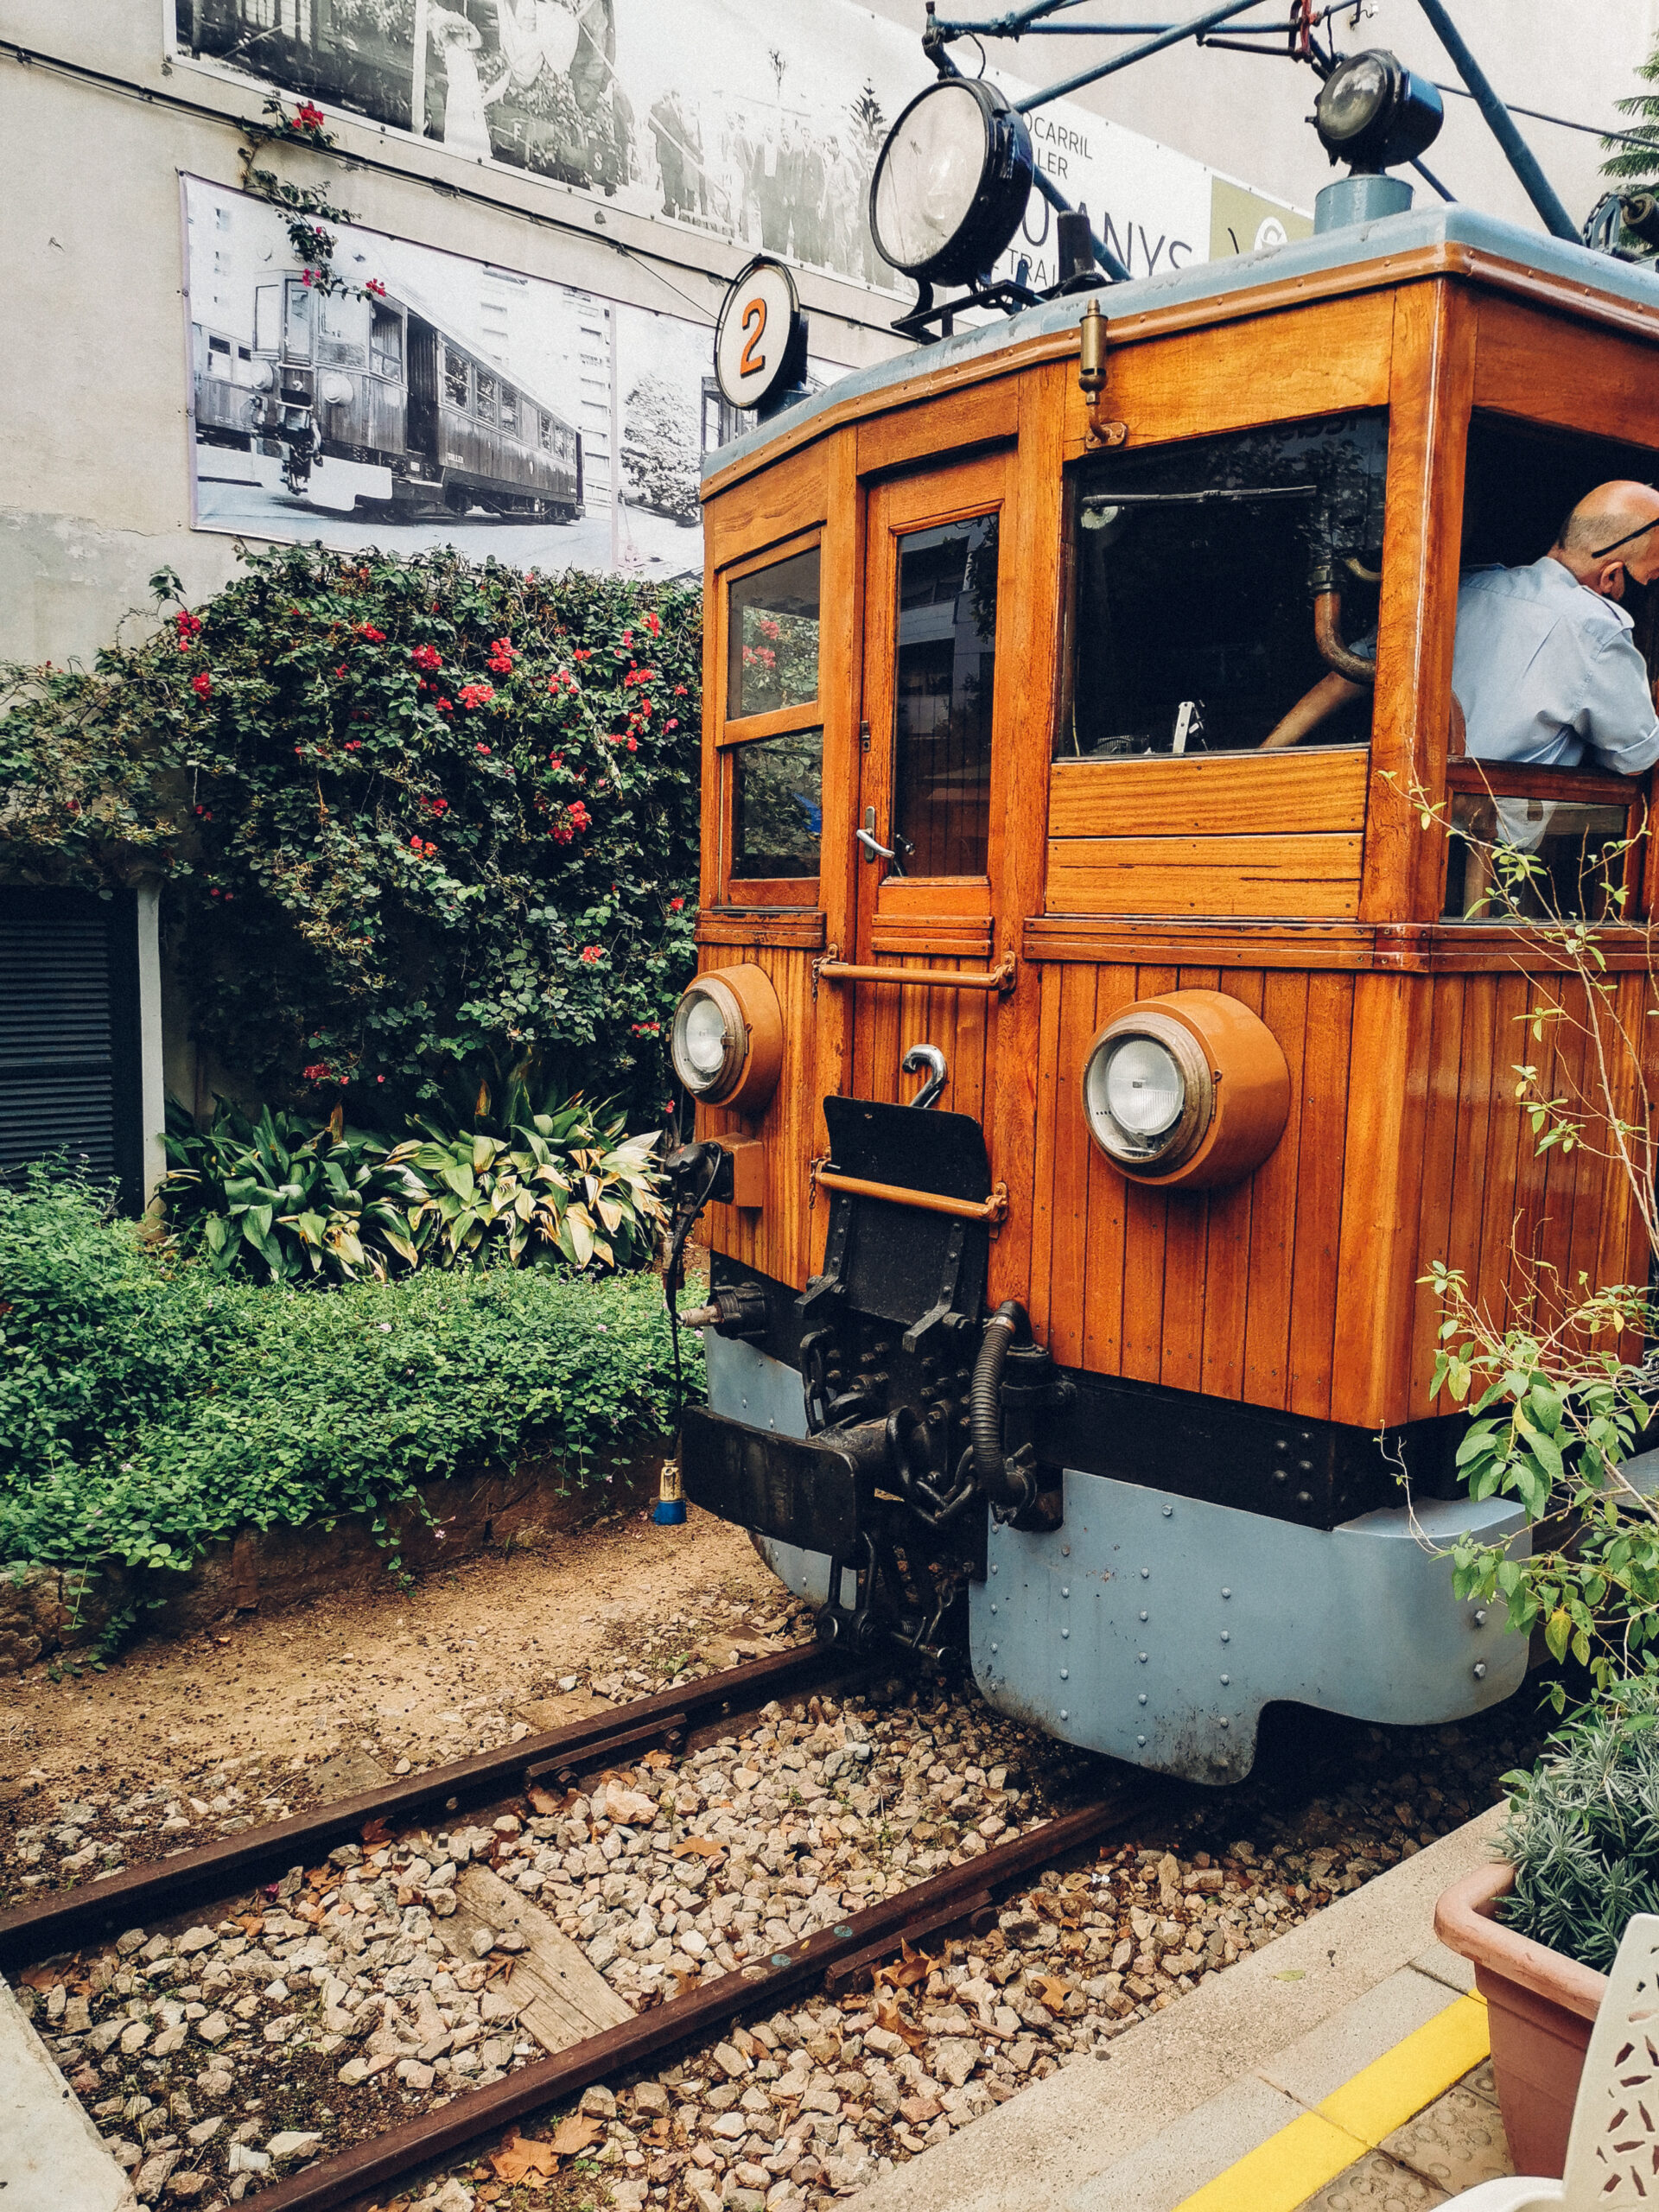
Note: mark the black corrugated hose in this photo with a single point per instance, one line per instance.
(1008, 1485)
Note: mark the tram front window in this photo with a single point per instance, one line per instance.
(943, 684)
(1196, 568)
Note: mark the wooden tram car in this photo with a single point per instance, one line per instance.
(1130, 1407)
(346, 377)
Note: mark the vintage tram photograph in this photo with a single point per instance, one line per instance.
(829, 1154)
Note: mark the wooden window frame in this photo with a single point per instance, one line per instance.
(739, 892)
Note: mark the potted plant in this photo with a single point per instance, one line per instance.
(1581, 1855)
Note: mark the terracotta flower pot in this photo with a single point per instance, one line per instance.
(1541, 2006)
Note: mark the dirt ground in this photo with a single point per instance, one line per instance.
(263, 1711)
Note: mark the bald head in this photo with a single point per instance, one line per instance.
(1595, 541)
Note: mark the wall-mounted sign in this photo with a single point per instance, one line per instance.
(760, 338)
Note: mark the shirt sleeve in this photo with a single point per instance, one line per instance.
(1617, 719)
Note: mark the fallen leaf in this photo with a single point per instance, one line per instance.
(684, 1980)
(575, 2134)
(252, 1924)
(545, 1803)
(656, 1759)
(41, 1978)
(521, 2158)
(888, 2016)
(699, 1846)
(1054, 1991)
(375, 1833)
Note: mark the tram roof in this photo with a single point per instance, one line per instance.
(1355, 246)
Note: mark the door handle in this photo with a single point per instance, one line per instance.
(874, 849)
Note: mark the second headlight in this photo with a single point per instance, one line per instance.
(727, 1040)
(1190, 1089)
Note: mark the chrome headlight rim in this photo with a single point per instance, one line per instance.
(1167, 1149)
(709, 1087)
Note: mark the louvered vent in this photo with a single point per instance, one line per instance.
(57, 1075)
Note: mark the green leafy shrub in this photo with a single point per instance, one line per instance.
(286, 1199)
(1582, 1829)
(150, 1407)
(413, 810)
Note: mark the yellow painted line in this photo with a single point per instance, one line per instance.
(1282, 2172)
(1286, 2171)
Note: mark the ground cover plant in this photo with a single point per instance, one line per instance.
(149, 1406)
(410, 811)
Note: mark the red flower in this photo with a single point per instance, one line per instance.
(653, 626)
(309, 118)
(342, 670)
(633, 744)
(485, 750)
(306, 276)
(675, 905)
(446, 706)
(415, 844)
(555, 759)
(377, 290)
(427, 657)
(368, 630)
(498, 665)
(188, 626)
(578, 815)
(477, 694)
(673, 725)
(582, 652)
(201, 685)
(592, 952)
(354, 745)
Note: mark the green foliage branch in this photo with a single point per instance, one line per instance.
(415, 812)
(1558, 1391)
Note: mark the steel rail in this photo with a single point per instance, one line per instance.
(466, 2120)
(68, 1920)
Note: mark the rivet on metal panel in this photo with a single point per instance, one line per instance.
(1142, 1698)
(1141, 1656)
(1145, 1574)
(1064, 1592)
(1144, 1614)
(993, 1604)
(1225, 1591)
(1066, 1551)
(1065, 1632)
(1225, 1722)
(1480, 1618)
(1226, 1636)
(1480, 1670)
(1064, 1715)
(1168, 1510)
(1225, 1680)
(1065, 1673)
(994, 1647)
(1142, 1741)
(993, 1567)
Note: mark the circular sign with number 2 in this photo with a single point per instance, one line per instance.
(758, 320)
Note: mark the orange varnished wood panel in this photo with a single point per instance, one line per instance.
(1431, 374)
(1326, 360)
(1253, 877)
(790, 497)
(982, 413)
(1209, 796)
(1548, 369)
(774, 1238)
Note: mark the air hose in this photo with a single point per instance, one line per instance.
(1009, 1485)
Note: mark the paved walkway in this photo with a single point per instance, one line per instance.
(1340, 2067)
(52, 2158)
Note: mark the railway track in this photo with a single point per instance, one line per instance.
(679, 1721)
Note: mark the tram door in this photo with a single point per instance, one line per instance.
(933, 755)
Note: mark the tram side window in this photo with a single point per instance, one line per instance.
(1523, 848)
(777, 804)
(943, 684)
(454, 377)
(776, 787)
(1196, 568)
(543, 429)
(508, 411)
(773, 652)
(484, 397)
(386, 344)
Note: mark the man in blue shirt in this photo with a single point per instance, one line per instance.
(1545, 667)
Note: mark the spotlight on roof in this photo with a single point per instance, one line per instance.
(1372, 113)
(952, 182)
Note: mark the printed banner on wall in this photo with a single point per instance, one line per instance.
(438, 400)
(730, 117)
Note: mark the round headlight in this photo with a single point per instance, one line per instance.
(1372, 112)
(951, 181)
(1189, 1089)
(1146, 1090)
(727, 1039)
